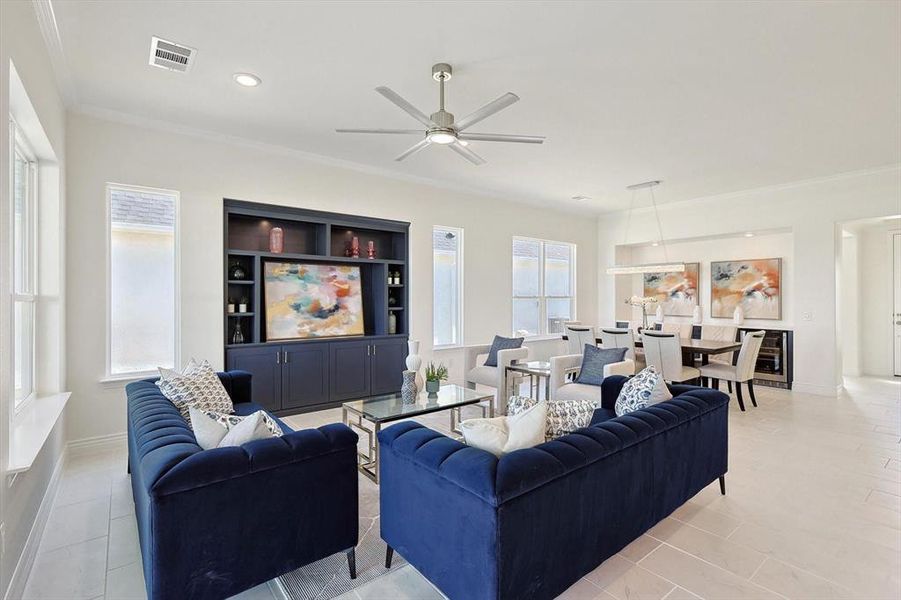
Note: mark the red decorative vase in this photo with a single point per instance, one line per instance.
(355, 247)
(370, 249)
(276, 240)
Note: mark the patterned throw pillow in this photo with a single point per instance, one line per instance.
(518, 404)
(197, 386)
(643, 390)
(594, 360)
(501, 343)
(211, 428)
(565, 416)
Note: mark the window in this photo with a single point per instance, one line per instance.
(543, 286)
(24, 267)
(447, 286)
(142, 280)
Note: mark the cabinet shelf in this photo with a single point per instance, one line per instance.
(237, 314)
(395, 308)
(240, 282)
(313, 257)
(395, 285)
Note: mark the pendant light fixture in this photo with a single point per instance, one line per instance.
(665, 266)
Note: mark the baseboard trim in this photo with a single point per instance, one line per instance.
(97, 442)
(17, 583)
(818, 390)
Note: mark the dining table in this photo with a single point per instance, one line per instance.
(692, 347)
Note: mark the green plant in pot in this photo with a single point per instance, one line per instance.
(434, 375)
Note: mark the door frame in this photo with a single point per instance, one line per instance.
(892, 293)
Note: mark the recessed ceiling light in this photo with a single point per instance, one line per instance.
(749, 234)
(581, 198)
(246, 79)
(655, 244)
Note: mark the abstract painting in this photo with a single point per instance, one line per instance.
(676, 292)
(755, 285)
(307, 300)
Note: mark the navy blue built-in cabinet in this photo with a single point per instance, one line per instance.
(291, 376)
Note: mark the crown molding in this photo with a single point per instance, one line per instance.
(50, 32)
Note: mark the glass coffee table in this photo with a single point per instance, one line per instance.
(379, 410)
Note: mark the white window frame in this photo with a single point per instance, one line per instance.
(109, 376)
(20, 146)
(543, 297)
(457, 231)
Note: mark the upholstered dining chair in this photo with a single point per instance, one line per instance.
(577, 336)
(663, 351)
(720, 333)
(622, 338)
(742, 371)
(683, 330)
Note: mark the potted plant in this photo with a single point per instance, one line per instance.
(434, 375)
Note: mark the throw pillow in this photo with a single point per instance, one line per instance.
(210, 428)
(517, 404)
(645, 389)
(199, 387)
(594, 360)
(566, 416)
(502, 435)
(253, 427)
(501, 343)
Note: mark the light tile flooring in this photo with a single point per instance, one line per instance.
(813, 511)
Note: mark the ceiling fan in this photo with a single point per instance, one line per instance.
(440, 127)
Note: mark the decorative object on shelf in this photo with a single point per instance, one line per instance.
(370, 249)
(312, 300)
(409, 390)
(738, 315)
(414, 361)
(666, 266)
(434, 375)
(696, 316)
(231, 306)
(348, 252)
(355, 247)
(658, 314)
(242, 306)
(392, 301)
(397, 280)
(753, 285)
(237, 336)
(236, 272)
(276, 240)
(642, 303)
(392, 324)
(677, 291)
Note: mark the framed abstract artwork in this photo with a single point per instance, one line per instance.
(754, 285)
(676, 292)
(311, 300)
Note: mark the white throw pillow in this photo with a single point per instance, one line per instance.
(502, 435)
(252, 427)
(643, 390)
(211, 428)
(198, 386)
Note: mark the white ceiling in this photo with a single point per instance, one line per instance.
(710, 97)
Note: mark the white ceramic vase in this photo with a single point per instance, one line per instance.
(738, 317)
(696, 315)
(658, 314)
(414, 361)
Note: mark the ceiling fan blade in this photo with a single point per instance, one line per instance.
(466, 153)
(414, 149)
(502, 137)
(404, 105)
(487, 110)
(401, 131)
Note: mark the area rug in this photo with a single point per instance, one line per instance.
(329, 577)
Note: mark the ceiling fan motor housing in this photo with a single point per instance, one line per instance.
(442, 119)
(442, 71)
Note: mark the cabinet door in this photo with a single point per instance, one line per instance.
(387, 363)
(265, 365)
(305, 375)
(349, 377)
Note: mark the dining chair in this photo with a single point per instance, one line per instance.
(741, 372)
(577, 337)
(663, 351)
(683, 330)
(720, 333)
(622, 338)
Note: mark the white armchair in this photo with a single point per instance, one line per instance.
(495, 377)
(561, 366)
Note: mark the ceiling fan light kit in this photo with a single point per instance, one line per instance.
(440, 126)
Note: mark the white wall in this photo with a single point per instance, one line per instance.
(812, 211)
(204, 170)
(848, 325)
(705, 251)
(875, 298)
(21, 43)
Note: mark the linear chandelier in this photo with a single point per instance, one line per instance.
(664, 267)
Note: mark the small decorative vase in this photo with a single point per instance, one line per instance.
(370, 249)
(432, 386)
(696, 315)
(409, 391)
(347, 250)
(392, 324)
(276, 240)
(414, 361)
(236, 272)
(658, 314)
(738, 316)
(237, 336)
(355, 247)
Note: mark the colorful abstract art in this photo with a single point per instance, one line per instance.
(755, 285)
(307, 300)
(676, 292)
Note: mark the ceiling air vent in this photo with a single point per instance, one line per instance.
(171, 56)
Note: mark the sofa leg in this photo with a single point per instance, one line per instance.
(715, 383)
(352, 562)
(723, 485)
(389, 555)
(741, 403)
(751, 391)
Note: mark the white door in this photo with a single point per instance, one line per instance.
(896, 292)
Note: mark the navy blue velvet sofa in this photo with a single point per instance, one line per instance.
(530, 524)
(216, 522)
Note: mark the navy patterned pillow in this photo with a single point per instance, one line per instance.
(594, 360)
(501, 343)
